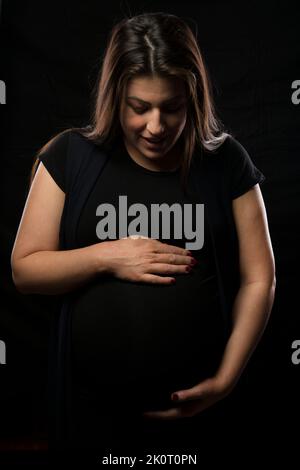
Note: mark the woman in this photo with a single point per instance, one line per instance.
(155, 319)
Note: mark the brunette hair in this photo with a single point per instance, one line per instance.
(153, 44)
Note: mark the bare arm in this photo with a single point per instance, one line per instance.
(251, 310)
(39, 267)
(57, 272)
(255, 297)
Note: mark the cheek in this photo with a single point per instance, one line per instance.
(179, 123)
(134, 123)
(130, 122)
(183, 123)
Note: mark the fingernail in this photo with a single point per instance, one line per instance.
(175, 396)
(194, 261)
(188, 269)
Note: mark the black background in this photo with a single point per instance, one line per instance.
(50, 56)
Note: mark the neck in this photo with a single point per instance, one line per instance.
(171, 161)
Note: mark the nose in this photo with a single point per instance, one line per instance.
(155, 127)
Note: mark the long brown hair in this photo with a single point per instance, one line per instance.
(153, 44)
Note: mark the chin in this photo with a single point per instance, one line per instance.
(150, 153)
(154, 152)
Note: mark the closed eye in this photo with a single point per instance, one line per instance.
(139, 110)
(167, 110)
(174, 109)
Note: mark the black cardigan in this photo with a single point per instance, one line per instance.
(213, 175)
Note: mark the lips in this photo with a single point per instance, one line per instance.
(154, 141)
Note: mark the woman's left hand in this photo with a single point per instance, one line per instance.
(193, 400)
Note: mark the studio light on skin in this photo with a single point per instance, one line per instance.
(152, 119)
(158, 332)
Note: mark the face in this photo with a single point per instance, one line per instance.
(152, 116)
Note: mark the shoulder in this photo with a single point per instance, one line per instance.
(56, 144)
(236, 170)
(234, 151)
(63, 140)
(54, 155)
(66, 146)
(240, 172)
(229, 149)
(229, 156)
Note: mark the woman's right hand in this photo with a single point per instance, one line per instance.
(142, 259)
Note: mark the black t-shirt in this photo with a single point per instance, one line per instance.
(241, 172)
(150, 338)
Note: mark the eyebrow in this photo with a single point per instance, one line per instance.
(146, 102)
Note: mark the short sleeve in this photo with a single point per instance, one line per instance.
(241, 172)
(54, 157)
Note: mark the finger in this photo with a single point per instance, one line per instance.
(186, 410)
(172, 413)
(172, 258)
(157, 279)
(165, 248)
(168, 268)
(201, 390)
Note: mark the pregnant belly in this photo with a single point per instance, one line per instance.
(146, 341)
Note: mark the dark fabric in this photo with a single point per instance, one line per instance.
(142, 337)
(54, 159)
(240, 172)
(126, 430)
(217, 178)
